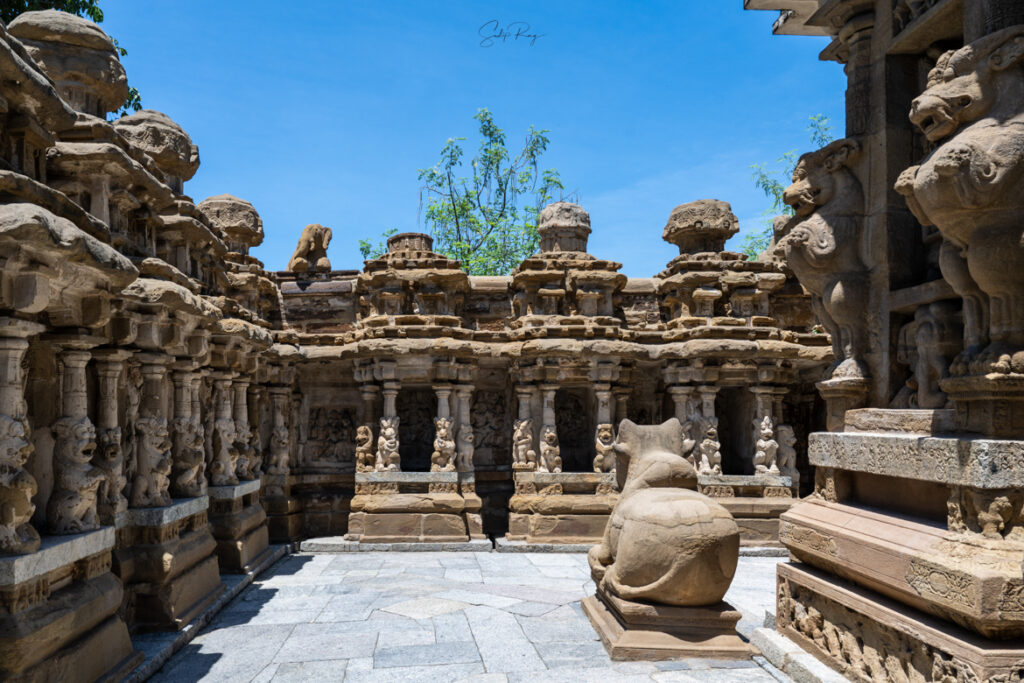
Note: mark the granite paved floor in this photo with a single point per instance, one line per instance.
(441, 616)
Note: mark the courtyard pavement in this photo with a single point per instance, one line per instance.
(438, 616)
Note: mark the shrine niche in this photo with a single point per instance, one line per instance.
(575, 431)
(416, 430)
(735, 409)
(332, 437)
(492, 430)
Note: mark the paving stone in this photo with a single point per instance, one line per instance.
(324, 670)
(531, 609)
(225, 655)
(452, 627)
(408, 674)
(463, 575)
(501, 641)
(473, 598)
(424, 608)
(556, 628)
(425, 655)
(388, 639)
(582, 654)
(309, 642)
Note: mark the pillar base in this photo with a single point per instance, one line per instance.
(755, 502)
(73, 632)
(560, 507)
(284, 511)
(239, 525)
(640, 631)
(413, 507)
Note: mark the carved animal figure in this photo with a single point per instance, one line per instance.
(604, 461)
(311, 252)
(524, 457)
(766, 447)
(365, 459)
(710, 452)
(664, 543)
(971, 187)
(550, 460)
(443, 457)
(110, 459)
(17, 536)
(188, 468)
(823, 247)
(153, 464)
(279, 440)
(388, 457)
(241, 448)
(465, 448)
(72, 506)
(787, 454)
(222, 469)
(255, 454)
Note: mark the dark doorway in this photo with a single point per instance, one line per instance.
(416, 411)
(734, 407)
(575, 430)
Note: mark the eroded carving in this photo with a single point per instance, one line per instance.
(524, 457)
(17, 487)
(388, 457)
(604, 460)
(72, 506)
(550, 460)
(311, 253)
(443, 457)
(153, 464)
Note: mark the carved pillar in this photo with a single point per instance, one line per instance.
(855, 34)
(188, 468)
(390, 392)
(464, 427)
(279, 436)
(548, 393)
(225, 455)
(524, 397)
(152, 444)
(463, 403)
(17, 487)
(73, 504)
(369, 392)
(110, 454)
(255, 396)
(707, 403)
(621, 403)
(682, 399)
(603, 394)
(443, 393)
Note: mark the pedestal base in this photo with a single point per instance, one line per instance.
(284, 510)
(239, 525)
(560, 507)
(165, 559)
(639, 631)
(755, 502)
(59, 616)
(868, 637)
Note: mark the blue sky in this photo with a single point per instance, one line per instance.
(322, 112)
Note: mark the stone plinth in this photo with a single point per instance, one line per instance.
(754, 501)
(165, 558)
(561, 507)
(239, 525)
(414, 507)
(59, 612)
(640, 631)
(284, 510)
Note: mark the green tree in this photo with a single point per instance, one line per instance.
(487, 220)
(774, 181)
(90, 9)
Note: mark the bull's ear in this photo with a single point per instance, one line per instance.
(1009, 53)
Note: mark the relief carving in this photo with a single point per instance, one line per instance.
(188, 474)
(365, 459)
(550, 460)
(279, 451)
(72, 506)
(17, 487)
(152, 464)
(110, 460)
(443, 457)
(225, 456)
(465, 448)
(766, 447)
(524, 457)
(604, 461)
(388, 457)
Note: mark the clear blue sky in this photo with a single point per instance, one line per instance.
(322, 112)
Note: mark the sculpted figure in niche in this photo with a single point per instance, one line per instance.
(443, 457)
(787, 452)
(279, 440)
(465, 448)
(241, 448)
(153, 464)
(710, 452)
(188, 471)
(76, 483)
(110, 459)
(550, 460)
(524, 457)
(971, 187)
(311, 253)
(604, 461)
(766, 447)
(225, 457)
(387, 445)
(17, 487)
(823, 247)
(664, 542)
(365, 459)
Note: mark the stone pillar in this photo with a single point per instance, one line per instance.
(390, 392)
(443, 393)
(682, 401)
(548, 393)
(464, 438)
(188, 468)
(17, 535)
(369, 392)
(225, 456)
(72, 507)
(152, 445)
(240, 416)
(112, 502)
(603, 394)
(707, 403)
(621, 403)
(279, 436)
(253, 399)
(856, 36)
(524, 397)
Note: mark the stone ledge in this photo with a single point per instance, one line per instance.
(236, 491)
(503, 545)
(407, 477)
(338, 544)
(975, 462)
(178, 509)
(53, 553)
(548, 478)
(791, 659)
(745, 480)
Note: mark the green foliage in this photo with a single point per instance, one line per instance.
(369, 251)
(90, 9)
(774, 181)
(488, 220)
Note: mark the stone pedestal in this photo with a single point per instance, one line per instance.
(641, 631)
(755, 502)
(165, 558)
(239, 524)
(59, 612)
(561, 507)
(413, 507)
(284, 511)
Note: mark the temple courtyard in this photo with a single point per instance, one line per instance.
(440, 616)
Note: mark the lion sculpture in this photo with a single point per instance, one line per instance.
(311, 253)
(225, 456)
(279, 440)
(787, 453)
(664, 542)
(550, 451)
(710, 452)
(443, 457)
(604, 460)
(73, 504)
(365, 459)
(766, 448)
(153, 464)
(823, 247)
(465, 448)
(110, 459)
(188, 470)
(17, 487)
(971, 188)
(524, 457)
(388, 457)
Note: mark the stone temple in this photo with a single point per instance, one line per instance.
(853, 397)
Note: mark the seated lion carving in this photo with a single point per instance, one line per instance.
(664, 543)
(311, 252)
